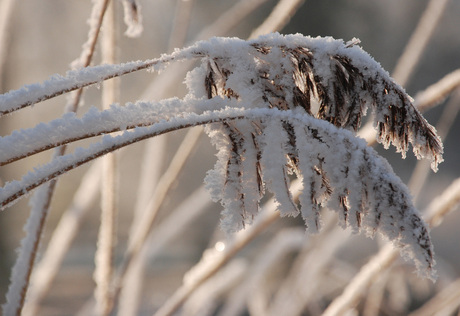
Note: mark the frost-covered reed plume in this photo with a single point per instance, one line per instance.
(289, 73)
(257, 99)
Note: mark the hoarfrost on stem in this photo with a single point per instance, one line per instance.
(256, 98)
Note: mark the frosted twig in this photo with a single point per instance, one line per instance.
(22, 269)
(418, 41)
(95, 23)
(40, 205)
(278, 18)
(46, 269)
(436, 211)
(133, 18)
(74, 80)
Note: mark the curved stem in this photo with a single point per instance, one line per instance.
(60, 165)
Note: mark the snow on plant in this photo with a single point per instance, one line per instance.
(257, 99)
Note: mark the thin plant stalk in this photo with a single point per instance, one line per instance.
(133, 280)
(15, 103)
(140, 236)
(267, 216)
(230, 18)
(375, 296)
(419, 40)
(422, 170)
(279, 17)
(412, 52)
(307, 269)
(225, 22)
(107, 231)
(285, 241)
(438, 91)
(181, 217)
(435, 213)
(66, 230)
(443, 303)
(180, 24)
(130, 295)
(6, 12)
(41, 203)
(204, 301)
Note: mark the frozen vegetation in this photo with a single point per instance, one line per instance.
(282, 111)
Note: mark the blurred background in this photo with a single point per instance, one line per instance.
(44, 37)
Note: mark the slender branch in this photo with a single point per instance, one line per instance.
(418, 41)
(140, 235)
(443, 303)
(278, 18)
(40, 204)
(448, 116)
(438, 91)
(107, 232)
(266, 218)
(180, 23)
(74, 80)
(47, 268)
(60, 165)
(435, 213)
(6, 12)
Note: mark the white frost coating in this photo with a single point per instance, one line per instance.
(94, 24)
(132, 18)
(26, 256)
(74, 79)
(343, 173)
(379, 180)
(69, 127)
(274, 167)
(266, 133)
(285, 72)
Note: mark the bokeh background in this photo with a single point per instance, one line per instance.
(45, 36)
